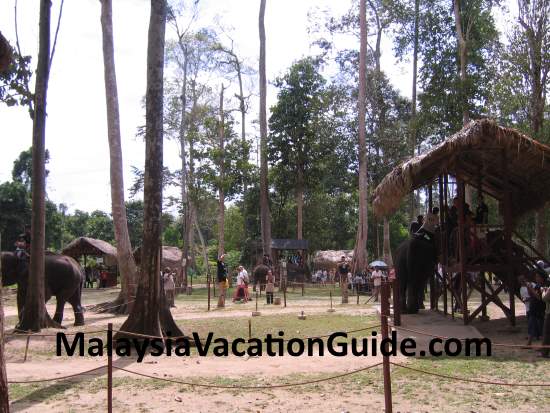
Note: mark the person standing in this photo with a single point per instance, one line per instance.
(343, 270)
(269, 286)
(169, 286)
(377, 282)
(545, 352)
(222, 280)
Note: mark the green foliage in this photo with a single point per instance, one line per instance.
(14, 82)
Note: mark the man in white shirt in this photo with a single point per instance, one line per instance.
(377, 282)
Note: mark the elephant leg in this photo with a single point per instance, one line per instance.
(421, 295)
(403, 295)
(58, 317)
(412, 298)
(77, 308)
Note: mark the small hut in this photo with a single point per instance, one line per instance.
(171, 257)
(329, 259)
(91, 247)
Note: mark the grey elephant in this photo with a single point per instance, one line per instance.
(63, 279)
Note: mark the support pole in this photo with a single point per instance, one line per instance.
(462, 248)
(385, 309)
(445, 239)
(110, 372)
(27, 348)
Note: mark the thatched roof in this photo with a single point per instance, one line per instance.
(89, 246)
(330, 258)
(498, 158)
(289, 244)
(171, 257)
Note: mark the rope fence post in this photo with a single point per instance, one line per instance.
(384, 311)
(331, 310)
(27, 348)
(110, 372)
(249, 328)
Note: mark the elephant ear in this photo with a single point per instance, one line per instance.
(9, 268)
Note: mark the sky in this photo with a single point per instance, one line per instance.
(76, 134)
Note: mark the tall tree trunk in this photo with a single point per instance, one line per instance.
(4, 395)
(150, 314)
(533, 18)
(387, 247)
(221, 194)
(125, 258)
(462, 43)
(265, 218)
(360, 252)
(191, 192)
(300, 203)
(186, 221)
(34, 316)
(413, 125)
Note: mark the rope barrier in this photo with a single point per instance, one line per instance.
(444, 376)
(523, 346)
(56, 378)
(20, 333)
(273, 386)
(301, 338)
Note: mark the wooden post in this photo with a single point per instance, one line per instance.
(432, 276)
(330, 310)
(384, 309)
(110, 372)
(249, 328)
(445, 238)
(27, 348)
(462, 248)
(284, 292)
(208, 287)
(508, 224)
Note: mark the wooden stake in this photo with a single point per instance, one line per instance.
(110, 372)
(385, 309)
(26, 348)
(249, 328)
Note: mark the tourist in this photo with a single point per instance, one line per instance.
(416, 225)
(343, 270)
(103, 276)
(269, 286)
(89, 281)
(482, 212)
(169, 286)
(222, 280)
(545, 352)
(240, 291)
(377, 282)
(531, 295)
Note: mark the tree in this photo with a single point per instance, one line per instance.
(125, 258)
(34, 316)
(298, 142)
(265, 216)
(4, 394)
(360, 250)
(150, 314)
(15, 75)
(535, 22)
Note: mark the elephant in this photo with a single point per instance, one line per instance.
(259, 274)
(415, 260)
(63, 279)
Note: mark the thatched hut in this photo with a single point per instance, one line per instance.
(92, 247)
(501, 162)
(171, 257)
(480, 153)
(328, 260)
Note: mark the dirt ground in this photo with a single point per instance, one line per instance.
(359, 392)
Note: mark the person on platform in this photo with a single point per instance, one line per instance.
(222, 280)
(416, 225)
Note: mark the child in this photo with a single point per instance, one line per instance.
(269, 287)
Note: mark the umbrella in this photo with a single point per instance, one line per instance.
(380, 264)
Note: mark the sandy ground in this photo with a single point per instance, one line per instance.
(144, 395)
